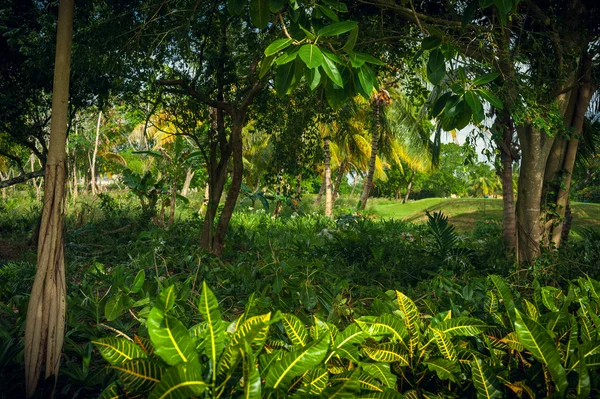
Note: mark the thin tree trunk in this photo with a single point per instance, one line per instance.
(189, 175)
(509, 219)
(321, 190)
(75, 191)
(354, 181)
(205, 200)
(566, 228)
(93, 164)
(338, 180)
(374, 146)
(3, 188)
(234, 188)
(45, 324)
(408, 187)
(328, 191)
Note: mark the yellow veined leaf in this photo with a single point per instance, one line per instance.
(336, 366)
(461, 326)
(208, 306)
(505, 294)
(180, 382)
(294, 329)
(386, 353)
(345, 389)
(382, 372)
(118, 350)
(485, 381)
(350, 336)
(541, 345)
(315, 380)
(111, 392)
(411, 320)
(531, 310)
(445, 369)
(444, 344)
(552, 298)
(296, 362)
(138, 375)
(143, 343)
(250, 374)
(520, 388)
(385, 325)
(512, 341)
(171, 340)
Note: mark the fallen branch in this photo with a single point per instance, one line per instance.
(22, 178)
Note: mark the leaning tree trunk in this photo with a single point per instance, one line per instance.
(328, 191)
(189, 175)
(45, 325)
(409, 187)
(374, 146)
(338, 180)
(95, 154)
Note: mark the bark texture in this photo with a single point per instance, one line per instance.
(328, 190)
(45, 324)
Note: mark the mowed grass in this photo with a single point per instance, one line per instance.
(465, 212)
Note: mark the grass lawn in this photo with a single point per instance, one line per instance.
(464, 212)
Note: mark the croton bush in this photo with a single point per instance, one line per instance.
(547, 346)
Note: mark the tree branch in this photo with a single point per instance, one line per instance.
(21, 178)
(186, 89)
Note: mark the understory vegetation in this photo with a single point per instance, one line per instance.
(356, 306)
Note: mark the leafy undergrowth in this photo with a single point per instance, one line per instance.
(319, 270)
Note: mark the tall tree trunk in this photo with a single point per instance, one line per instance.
(95, 154)
(583, 100)
(45, 325)
(509, 217)
(75, 191)
(409, 187)
(236, 184)
(328, 191)
(374, 146)
(189, 175)
(354, 181)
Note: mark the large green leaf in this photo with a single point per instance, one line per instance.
(111, 392)
(351, 335)
(283, 78)
(487, 78)
(118, 350)
(473, 100)
(139, 375)
(492, 99)
(347, 389)
(311, 55)
(182, 381)
(277, 46)
(332, 71)
(583, 382)
(541, 345)
(296, 363)
(485, 381)
(315, 380)
(294, 329)
(235, 7)
(431, 42)
(504, 6)
(444, 344)
(171, 340)
(208, 306)
(351, 42)
(337, 28)
(366, 78)
(259, 13)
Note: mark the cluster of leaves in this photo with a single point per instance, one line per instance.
(549, 345)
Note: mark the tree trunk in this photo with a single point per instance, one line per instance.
(75, 192)
(409, 187)
(321, 190)
(234, 188)
(583, 100)
(205, 200)
(338, 180)
(95, 154)
(189, 175)
(45, 325)
(3, 188)
(535, 147)
(354, 181)
(328, 191)
(566, 228)
(509, 217)
(217, 176)
(374, 146)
